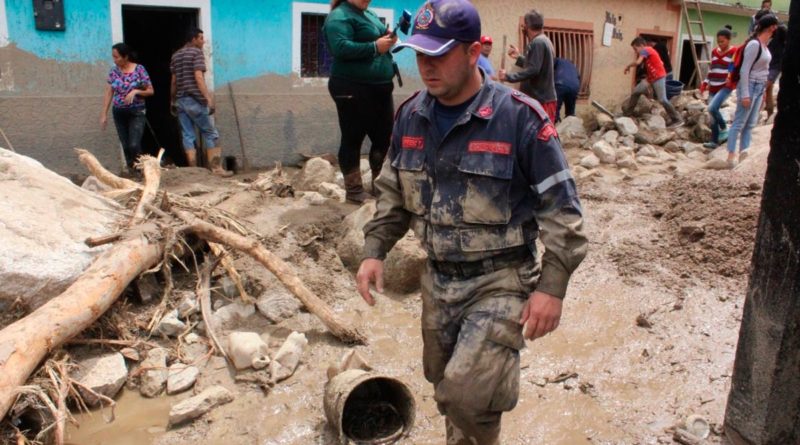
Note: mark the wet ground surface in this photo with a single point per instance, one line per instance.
(647, 337)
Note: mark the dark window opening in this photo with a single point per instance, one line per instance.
(315, 59)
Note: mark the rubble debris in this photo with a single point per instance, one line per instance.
(332, 191)
(154, 377)
(103, 374)
(288, 357)
(626, 126)
(643, 321)
(605, 152)
(571, 127)
(198, 405)
(170, 325)
(236, 311)
(247, 349)
(315, 172)
(277, 306)
(590, 161)
(181, 377)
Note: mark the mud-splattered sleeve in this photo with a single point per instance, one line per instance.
(558, 211)
(391, 220)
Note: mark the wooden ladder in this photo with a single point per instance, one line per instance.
(698, 74)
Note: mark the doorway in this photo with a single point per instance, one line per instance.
(154, 51)
(687, 74)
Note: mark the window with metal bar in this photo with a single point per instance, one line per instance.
(573, 41)
(315, 60)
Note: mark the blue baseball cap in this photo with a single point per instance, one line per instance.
(440, 25)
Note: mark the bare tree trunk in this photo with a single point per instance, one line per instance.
(764, 402)
(25, 343)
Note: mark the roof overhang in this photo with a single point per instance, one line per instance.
(730, 8)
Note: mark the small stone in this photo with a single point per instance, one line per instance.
(130, 354)
(104, 374)
(277, 307)
(716, 164)
(604, 121)
(648, 151)
(313, 198)
(332, 191)
(605, 152)
(698, 156)
(237, 311)
(170, 325)
(627, 162)
(288, 356)
(246, 349)
(672, 147)
(656, 122)
(155, 376)
(649, 160)
(187, 305)
(191, 338)
(148, 288)
(198, 405)
(626, 126)
(571, 127)
(590, 161)
(628, 141)
(662, 137)
(611, 137)
(181, 377)
(315, 172)
(693, 231)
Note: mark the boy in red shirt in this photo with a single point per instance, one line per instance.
(656, 76)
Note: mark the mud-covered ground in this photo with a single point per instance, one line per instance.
(647, 337)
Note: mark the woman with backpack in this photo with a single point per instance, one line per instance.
(715, 83)
(752, 73)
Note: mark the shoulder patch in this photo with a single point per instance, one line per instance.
(405, 102)
(547, 131)
(532, 103)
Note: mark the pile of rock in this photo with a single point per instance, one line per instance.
(642, 139)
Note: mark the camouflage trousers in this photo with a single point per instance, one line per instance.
(472, 338)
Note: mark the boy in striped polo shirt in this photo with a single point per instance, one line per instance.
(716, 84)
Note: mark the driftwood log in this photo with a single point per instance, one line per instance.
(25, 343)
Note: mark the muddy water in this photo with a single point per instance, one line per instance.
(138, 421)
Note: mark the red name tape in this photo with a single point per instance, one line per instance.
(500, 148)
(413, 143)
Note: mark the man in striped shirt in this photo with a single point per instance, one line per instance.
(195, 105)
(715, 83)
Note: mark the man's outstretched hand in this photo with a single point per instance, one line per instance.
(541, 315)
(370, 272)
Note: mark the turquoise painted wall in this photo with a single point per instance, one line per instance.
(86, 39)
(714, 21)
(250, 38)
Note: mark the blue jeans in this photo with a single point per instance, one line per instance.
(718, 123)
(567, 97)
(130, 127)
(191, 113)
(745, 118)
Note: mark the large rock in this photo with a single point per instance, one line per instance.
(627, 162)
(611, 137)
(44, 220)
(604, 121)
(156, 374)
(247, 349)
(605, 152)
(590, 161)
(571, 128)
(405, 262)
(647, 151)
(662, 137)
(181, 377)
(656, 122)
(278, 305)
(103, 374)
(626, 126)
(198, 405)
(315, 172)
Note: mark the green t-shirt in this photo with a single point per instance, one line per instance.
(351, 35)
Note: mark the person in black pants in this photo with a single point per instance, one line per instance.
(361, 86)
(568, 84)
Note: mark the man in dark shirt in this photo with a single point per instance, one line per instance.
(568, 84)
(189, 94)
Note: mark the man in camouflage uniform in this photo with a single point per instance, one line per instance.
(476, 170)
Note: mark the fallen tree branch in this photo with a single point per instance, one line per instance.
(103, 175)
(152, 178)
(26, 342)
(204, 295)
(227, 264)
(280, 269)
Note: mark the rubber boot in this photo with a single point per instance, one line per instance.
(214, 157)
(354, 188)
(191, 158)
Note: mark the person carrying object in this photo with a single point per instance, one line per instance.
(656, 77)
(476, 169)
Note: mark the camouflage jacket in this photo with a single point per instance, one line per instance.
(487, 186)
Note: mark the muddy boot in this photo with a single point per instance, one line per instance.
(214, 156)
(354, 189)
(191, 158)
